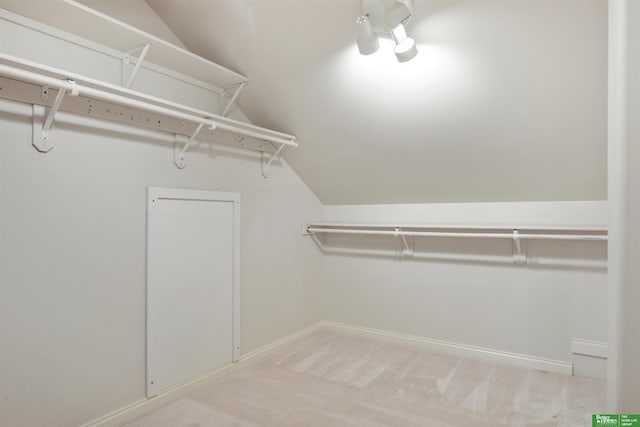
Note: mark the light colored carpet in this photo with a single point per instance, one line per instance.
(332, 379)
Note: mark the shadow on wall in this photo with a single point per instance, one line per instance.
(540, 254)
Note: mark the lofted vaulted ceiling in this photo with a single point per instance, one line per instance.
(506, 100)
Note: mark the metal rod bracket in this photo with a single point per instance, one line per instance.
(267, 160)
(127, 60)
(519, 255)
(178, 153)
(41, 138)
(407, 250)
(233, 98)
(266, 164)
(180, 143)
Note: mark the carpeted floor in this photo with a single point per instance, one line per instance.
(334, 379)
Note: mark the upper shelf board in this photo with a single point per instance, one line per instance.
(82, 21)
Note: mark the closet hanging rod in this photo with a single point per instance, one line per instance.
(503, 235)
(39, 79)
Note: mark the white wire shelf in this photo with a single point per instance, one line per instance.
(57, 89)
(82, 21)
(30, 72)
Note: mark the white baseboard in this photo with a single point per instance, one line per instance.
(522, 360)
(589, 348)
(589, 358)
(144, 406)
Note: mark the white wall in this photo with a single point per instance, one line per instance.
(571, 214)
(72, 254)
(469, 291)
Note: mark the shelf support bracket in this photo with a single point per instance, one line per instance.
(178, 153)
(267, 160)
(519, 256)
(233, 99)
(407, 250)
(41, 135)
(127, 60)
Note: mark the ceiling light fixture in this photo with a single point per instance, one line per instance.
(367, 40)
(405, 49)
(386, 17)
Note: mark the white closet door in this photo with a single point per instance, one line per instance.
(192, 284)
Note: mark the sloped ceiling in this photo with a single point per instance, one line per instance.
(136, 13)
(506, 100)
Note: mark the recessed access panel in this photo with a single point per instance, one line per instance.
(192, 284)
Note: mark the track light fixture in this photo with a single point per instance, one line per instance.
(405, 49)
(386, 17)
(367, 40)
